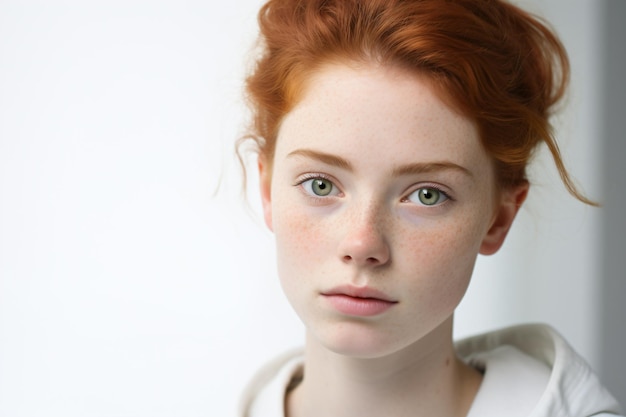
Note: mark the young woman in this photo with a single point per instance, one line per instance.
(393, 138)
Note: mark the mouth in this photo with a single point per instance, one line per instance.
(358, 301)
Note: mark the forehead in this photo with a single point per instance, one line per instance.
(373, 112)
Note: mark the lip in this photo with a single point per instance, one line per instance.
(358, 301)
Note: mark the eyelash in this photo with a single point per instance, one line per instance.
(312, 176)
(315, 176)
(435, 187)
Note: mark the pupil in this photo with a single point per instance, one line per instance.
(429, 196)
(321, 185)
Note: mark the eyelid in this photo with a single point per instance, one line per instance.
(314, 176)
(439, 188)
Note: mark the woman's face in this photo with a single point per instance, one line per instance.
(380, 198)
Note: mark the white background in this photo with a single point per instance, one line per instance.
(133, 279)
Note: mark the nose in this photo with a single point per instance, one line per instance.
(364, 243)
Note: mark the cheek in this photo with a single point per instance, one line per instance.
(445, 244)
(304, 253)
(302, 242)
(443, 256)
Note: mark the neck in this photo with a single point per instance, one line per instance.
(425, 378)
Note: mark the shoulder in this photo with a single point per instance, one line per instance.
(264, 394)
(537, 358)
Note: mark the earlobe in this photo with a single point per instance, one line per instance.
(510, 202)
(265, 188)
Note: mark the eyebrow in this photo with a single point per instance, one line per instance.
(408, 169)
(326, 158)
(421, 168)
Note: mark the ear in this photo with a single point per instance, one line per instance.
(265, 179)
(506, 210)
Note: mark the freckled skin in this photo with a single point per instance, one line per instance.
(369, 234)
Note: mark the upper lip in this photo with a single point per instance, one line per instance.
(359, 292)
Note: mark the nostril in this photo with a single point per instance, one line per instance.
(368, 248)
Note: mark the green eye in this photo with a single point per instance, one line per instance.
(428, 196)
(320, 187)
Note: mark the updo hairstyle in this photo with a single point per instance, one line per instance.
(494, 63)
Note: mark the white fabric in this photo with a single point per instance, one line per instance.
(272, 399)
(499, 392)
(529, 371)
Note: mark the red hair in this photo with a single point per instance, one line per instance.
(495, 63)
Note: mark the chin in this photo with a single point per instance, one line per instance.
(358, 340)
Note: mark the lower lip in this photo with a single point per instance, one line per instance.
(354, 306)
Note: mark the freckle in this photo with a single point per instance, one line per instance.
(447, 361)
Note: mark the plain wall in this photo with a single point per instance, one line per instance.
(130, 287)
(612, 275)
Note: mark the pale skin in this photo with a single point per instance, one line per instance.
(377, 184)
